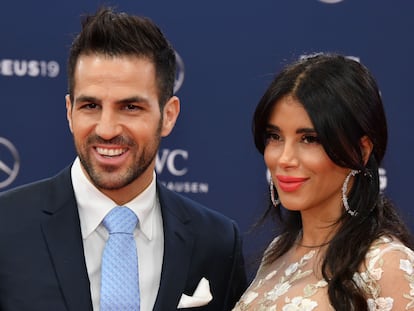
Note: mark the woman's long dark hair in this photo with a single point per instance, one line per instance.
(343, 102)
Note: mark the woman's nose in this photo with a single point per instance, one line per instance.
(288, 156)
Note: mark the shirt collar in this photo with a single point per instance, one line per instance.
(93, 205)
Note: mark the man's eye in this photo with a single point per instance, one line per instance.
(132, 107)
(90, 106)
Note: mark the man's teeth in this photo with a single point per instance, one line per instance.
(110, 152)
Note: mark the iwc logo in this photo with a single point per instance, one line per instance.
(179, 77)
(9, 162)
(174, 162)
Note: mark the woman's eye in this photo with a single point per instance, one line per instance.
(310, 139)
(272, 137)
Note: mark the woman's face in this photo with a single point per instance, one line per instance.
(305, 177)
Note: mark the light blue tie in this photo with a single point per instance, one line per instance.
(119, 284)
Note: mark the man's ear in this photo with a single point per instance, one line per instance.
(69, 111)
(170, 114)
(366, 148)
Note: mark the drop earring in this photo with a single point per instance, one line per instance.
(344, 192)
(275, 202)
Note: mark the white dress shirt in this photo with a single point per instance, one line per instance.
(93, 206)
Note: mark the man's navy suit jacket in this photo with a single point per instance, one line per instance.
(42, 264)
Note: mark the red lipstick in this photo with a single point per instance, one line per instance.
(290, 183)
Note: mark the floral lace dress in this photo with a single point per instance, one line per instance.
(290, 284)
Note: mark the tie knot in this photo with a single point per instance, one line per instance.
(120, 220)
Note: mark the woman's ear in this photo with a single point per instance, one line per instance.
(366, 148)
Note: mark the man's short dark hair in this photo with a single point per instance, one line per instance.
(119, 34)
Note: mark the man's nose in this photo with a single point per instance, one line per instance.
(108, 125)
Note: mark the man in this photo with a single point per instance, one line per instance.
(121, 72)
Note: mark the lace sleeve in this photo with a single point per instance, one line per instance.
(389, 277)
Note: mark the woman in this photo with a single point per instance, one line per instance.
(322, 130)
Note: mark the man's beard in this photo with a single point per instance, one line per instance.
(101, 178)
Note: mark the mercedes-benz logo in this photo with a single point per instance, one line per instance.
(331, 1)
(179, 78)
(9, 162)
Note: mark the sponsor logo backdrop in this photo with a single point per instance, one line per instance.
(228, 53)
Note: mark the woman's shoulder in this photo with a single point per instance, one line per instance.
(269, 248)
(387, 253)
(386, 245)
(387, 275)
(273, 242)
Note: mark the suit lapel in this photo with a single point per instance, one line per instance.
(64, 240)
(178, 245)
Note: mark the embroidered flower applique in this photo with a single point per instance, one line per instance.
(299, 304)
(406, 266)
(380, 304)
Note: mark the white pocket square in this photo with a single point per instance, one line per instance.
(201, 296)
